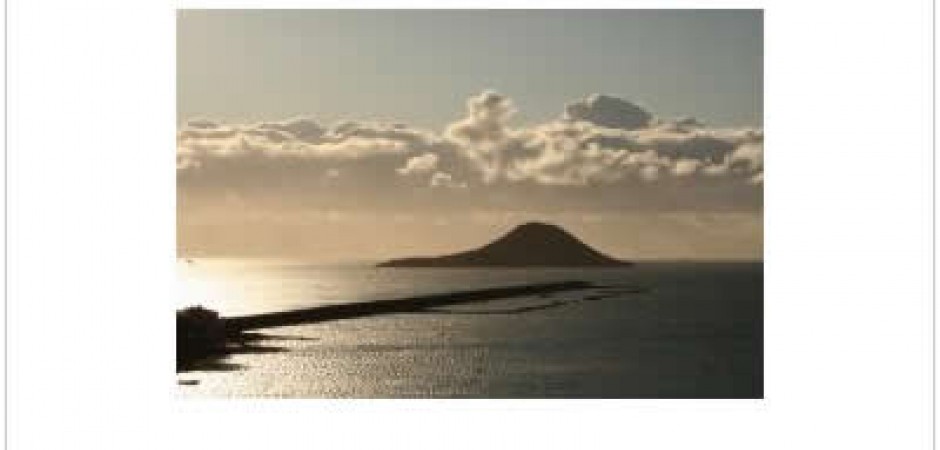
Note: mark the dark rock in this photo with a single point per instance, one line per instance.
(200, 333)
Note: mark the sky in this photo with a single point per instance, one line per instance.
(362, 135)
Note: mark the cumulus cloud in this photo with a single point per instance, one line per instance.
(608, 112)
(415, 139)
(301, 129)
(485, 121)
(201, 142)
(749, 156)
(444, 179)
(599, 140)
(685, 167)
(201, 124)
(649, 172)
(483, 135)
(419, 164)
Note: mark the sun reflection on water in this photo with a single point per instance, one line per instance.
(227, 286)
(248, 286)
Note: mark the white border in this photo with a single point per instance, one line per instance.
(848, 252)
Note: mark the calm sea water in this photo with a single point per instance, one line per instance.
(696, 333)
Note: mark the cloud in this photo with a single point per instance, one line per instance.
(354, 147)
(202, 142)
(483, 136)
(749, 156)
(415, 139)
(299, 128)
(608, 112)
(444, 179)
(685, 167)
(598, 140)
(714, 170)
(185, 162)
(649, 172)
(419, 164)
(485, 121)
(202, 124)
(607, 147)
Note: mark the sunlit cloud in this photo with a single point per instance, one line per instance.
(444, 179)
(608, 112)
(599, 142)
(419, 164)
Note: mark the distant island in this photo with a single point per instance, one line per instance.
(533, 244)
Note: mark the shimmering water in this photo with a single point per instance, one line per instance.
(696, 333)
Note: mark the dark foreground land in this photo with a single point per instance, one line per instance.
(202, 333)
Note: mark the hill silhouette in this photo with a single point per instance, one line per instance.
(533, 244)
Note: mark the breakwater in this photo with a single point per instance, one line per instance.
(401, 305)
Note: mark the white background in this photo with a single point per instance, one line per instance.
(91, 221)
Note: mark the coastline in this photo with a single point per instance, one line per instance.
(203, 334)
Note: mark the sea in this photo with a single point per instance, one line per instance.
(653, 330)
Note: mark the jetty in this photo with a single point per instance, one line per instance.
(401, 305)
(202, 333)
